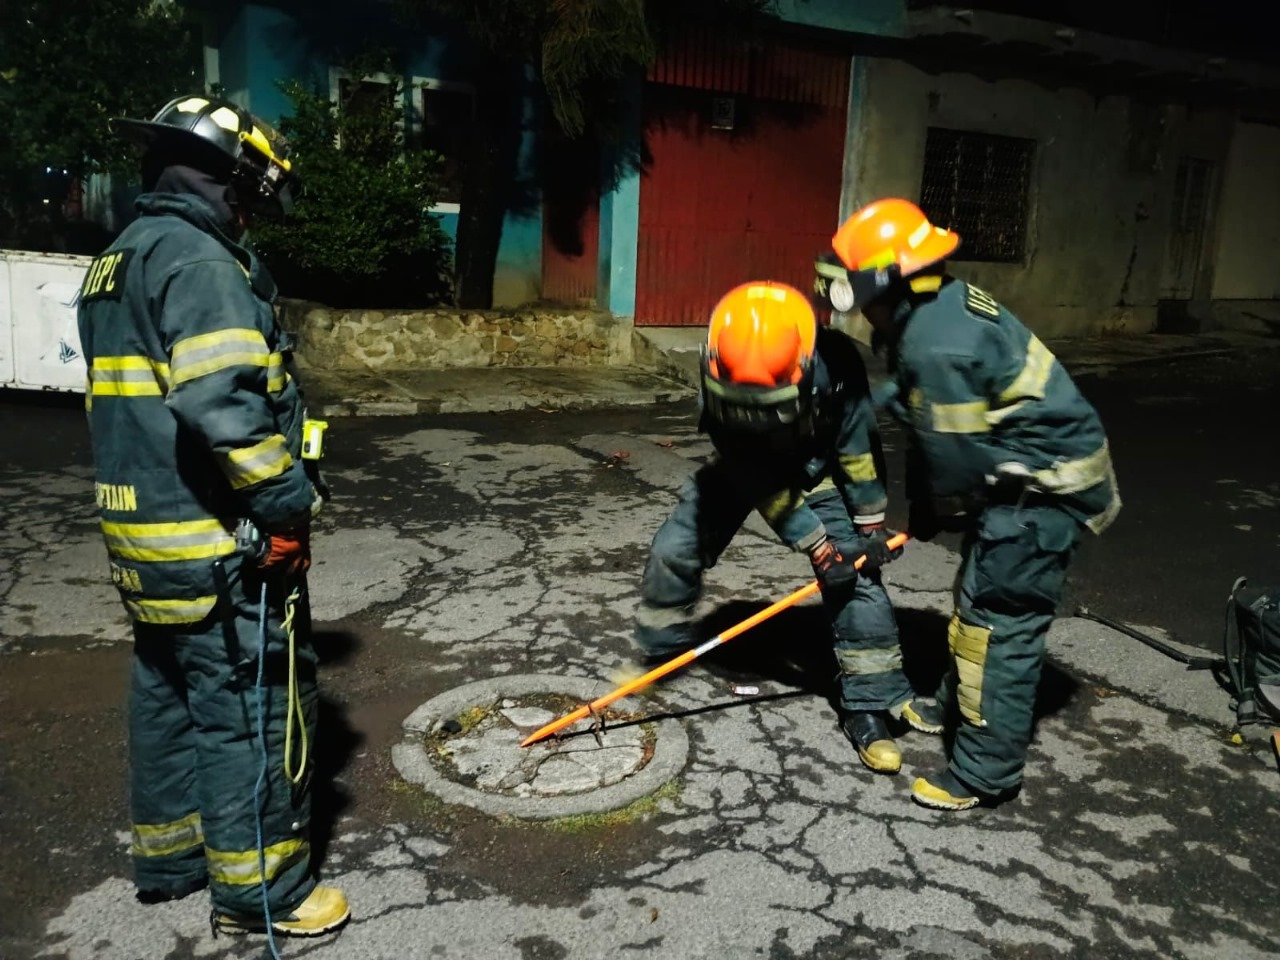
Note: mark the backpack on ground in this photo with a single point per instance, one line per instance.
(1251, 647)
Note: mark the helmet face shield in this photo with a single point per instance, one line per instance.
(757, 363)
(755, 410)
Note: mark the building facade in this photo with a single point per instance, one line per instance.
(1100, 183)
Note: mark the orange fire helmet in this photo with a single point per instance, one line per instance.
(887, 241)
(757, 366)
(763, 334)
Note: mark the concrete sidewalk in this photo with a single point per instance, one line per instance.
(485, 390)
(670, 374)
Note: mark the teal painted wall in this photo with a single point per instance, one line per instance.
(881, 17)
(260, 45)
(620, 218)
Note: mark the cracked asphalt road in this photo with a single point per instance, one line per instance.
(474, 546)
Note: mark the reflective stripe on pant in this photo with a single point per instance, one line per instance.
(709, 512)
(862, 621)
(194, 756)
(1014, 570)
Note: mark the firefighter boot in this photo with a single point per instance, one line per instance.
(324, 911)
(923, 714)
(944, 791)
(869, 733)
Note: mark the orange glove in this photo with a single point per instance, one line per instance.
(830, 564)
(288, 553)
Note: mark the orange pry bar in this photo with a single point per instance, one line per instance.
(687, 657)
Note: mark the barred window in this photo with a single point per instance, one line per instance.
(977, 184)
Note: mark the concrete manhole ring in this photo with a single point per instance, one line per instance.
(482, 765)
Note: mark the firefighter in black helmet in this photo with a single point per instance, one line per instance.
(206, 503)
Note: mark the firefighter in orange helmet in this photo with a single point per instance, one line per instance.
(787, 408)
(1004, 449)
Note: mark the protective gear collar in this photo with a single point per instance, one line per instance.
(177, 178)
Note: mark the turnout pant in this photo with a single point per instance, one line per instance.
(710, 511)
(194, 755)
(1011, 579)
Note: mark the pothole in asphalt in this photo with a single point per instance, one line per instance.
(464, 746)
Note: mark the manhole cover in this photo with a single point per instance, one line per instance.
(464, 746)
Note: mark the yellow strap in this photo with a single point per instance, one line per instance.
(294, 707)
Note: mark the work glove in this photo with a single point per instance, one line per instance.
(831, 565)
(287, 552)
(873, 543)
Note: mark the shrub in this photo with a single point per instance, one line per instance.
(361, 233)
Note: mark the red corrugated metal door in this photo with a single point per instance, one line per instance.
(570, 218)
(570, 241)
(720, 207)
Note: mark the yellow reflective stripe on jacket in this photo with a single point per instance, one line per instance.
(997, 416)
(246, 466)
(860, 467)
(275, 373)
(968, 645)
(208, 353)
(774, 508)
(1099, 522)
(163, 839)
(240, 868)
(169, 611)
(1030, 383)
(968, 417)
(130, 376)
(1072, 476)
(168, 542)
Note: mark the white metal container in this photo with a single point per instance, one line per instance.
(39, 340)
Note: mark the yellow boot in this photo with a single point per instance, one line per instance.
(924, 714)
(324, 911)
(944, 791)
(869, 733)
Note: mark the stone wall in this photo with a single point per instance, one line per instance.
(532, 336)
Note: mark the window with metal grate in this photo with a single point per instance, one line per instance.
(978, 185)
